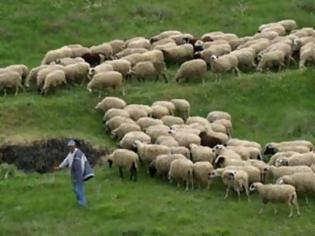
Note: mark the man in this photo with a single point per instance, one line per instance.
(76, 161)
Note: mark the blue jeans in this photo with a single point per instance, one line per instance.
(79, 193)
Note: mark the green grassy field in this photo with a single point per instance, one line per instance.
(264, 107)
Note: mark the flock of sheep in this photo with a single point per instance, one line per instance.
(110, 64)
(193, 150)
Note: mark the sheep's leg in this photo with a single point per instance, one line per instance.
(4, 92)
(261, 210)
(123, 90)
(291, 209)
(187, 185)
(238, 193)
(121, 172)
(133, 172)
(99, 94)
(306, 200)
(16, 90)
(192, 181)
(247, 193)
(227, 191)
(296, 204)
(237, 71)
(156, 78)
(208, 185)
(165, 78)
(275, 211)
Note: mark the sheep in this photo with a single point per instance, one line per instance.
(93, 59)
(120, 65)
(278, 28)
(104, 67)
(182, 170)
(227, 124)
(240, 150)
(159, 111)
(172, 120)
(200, 153)
(104, 49)
(139, 43)
(182, 108)
(277, 172)
(300, 146)
(217, 115)
(116, 121)
(180, 150)
(288, 24)
(216, 127)
(163, 35)
(110, 102)
(262, 166)
(155, 56)
(146, 70)
(245, 57)
(123, 158)
(134, 58)
(10, 79)
(32, 75)
(192, 70)
(117, 45)
(77, 50)
(104, 80)
(54, 79)
(186, 128)
(157, 130)
(281, 46)
(254, 174)
(307, 55)
(303, 182)
(169, 105)
(112, 112)
(246, 143)
(21, 69)
(278, 155)
(197, 119)
(55, 54)
(185, 138)
(129, 51)
(146, 122)
(161, 164)
(41, 75)
(136, 111)
(178, 54)
(123, 129)
(69, 60)
(210, 138)
(271, 59)
(213, 50)
(277, 193)
(166, 140)
(299, 159)
(77, 72)
(224, 63)
(148, 152)
(266, 34)
(201, 171)
(129, 139)
(226, 160)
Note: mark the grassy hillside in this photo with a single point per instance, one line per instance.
(264, 107)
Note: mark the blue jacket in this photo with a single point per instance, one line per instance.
(76, 168)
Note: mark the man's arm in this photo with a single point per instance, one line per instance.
(63, 164)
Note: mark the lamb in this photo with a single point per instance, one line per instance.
(77, 72)
(55, 54)
(167, 141)
(129, 139)
(54, 79)
(303, 182)
(104, 80)
(146, 70)
(277, 172)
(115, 112)
(123, 129)
(192, 70)
(182, 108)
(157, 130)
(299, 159)
(217, 115)
(271, 59)
(159, 111)
(178, 54)
(111, 102)
(10, 80)
(185, 138)
(169, 105)
(123, 158)
(104, 49)
(172, 120)
(120, 65)
(161, 164)
(180, 150)
(277, 193)
(182, 170)
(201, 171)
(116, 121)
(224, 63)
(148, 152)
(146, 122)
(200, 153)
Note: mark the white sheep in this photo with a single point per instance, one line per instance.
(181, 170)
(159, 111)
(157, 130)
(182, 108)
(224, 63)
(146, 122)
(136, 111)
(117, 45)
(112, 112)
(123, 129)
(172, 120)
(180, 150)
(56, 54)
(54, 79)
(201, 171)
(116, 121)
(104, 49)
(10, 80)
(110, 102)
(77, 72)
(123, 158)
(146, 70)
(277, 193)
(185, 138)
(129, 139)
(169, 105)
(32, 76)
(277, 172)
(299, 159)
(178, 54)
(201, 153)
(271, 59)
(166, 140)
(192, 70)
(120, 65)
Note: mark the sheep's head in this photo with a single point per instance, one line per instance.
(91, 73)
(135, 145)
(254, 186)
(213, 174)
(270, 149)
(172, 131)
(214, 58)
(280, 180)
(197, 55)
(219, 162)
(282, 162)
(218, 149)
(231, 174)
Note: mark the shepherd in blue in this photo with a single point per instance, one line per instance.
(80, 171)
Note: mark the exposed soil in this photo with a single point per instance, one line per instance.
(41, 156)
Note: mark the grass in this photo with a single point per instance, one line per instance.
(265, 107)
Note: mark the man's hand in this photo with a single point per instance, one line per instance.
(56, 168)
